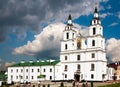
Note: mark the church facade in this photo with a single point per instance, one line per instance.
(82, 55)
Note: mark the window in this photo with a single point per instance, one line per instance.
(26, 70)
(21, 77)
(50, 70)
(32, 77)
(93, 42)
(11, 70)
(65, 57)
(26, 77)
(16, 77)
(65, 75)
(93, 55)
(67, 35)
(78, 45)
(21, 70)
(32, 70)
(11, 77)
(73, 35)
(50, 77)
(44, 70)
(66, 46)
(78, 57)
(92, 76)
(78, 67)
(92, 67)
(94, 21)
(38, 70)
(94, 31)
(16, 70)
(66, 67)
(86, 42)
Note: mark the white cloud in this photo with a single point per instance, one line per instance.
(109, 7)
(7, 64)
(48, 41)
(113, 49)
(113, 24)
(103, 15)
(119, 15)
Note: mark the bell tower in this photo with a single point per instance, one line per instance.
(69, 34)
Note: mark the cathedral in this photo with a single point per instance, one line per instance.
(80, 55)
(84, 55)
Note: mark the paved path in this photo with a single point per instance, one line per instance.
(57, 84)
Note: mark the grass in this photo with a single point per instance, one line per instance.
(111, 85)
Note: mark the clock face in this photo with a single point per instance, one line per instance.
(78, 43)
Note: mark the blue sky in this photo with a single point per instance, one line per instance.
(21, 21)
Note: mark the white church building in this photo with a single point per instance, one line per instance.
(83, 55)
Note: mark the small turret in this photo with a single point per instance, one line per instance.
(95, 19)
(69, 20)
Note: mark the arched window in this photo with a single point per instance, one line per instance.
(78, 45)
(67, 35)
(94, 31)
(93, 42)
(66, 46)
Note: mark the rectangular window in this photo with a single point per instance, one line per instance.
(94, 31)
(26, 77)
(65, 75)
(16, 70)
(11, 70)
(21, 70)
(32, 70)
(21, 77)
(92, 76)
(92, 67)
(78, 57)
(32, 77)
(78, 67)
(65, 57)
(50, 77)
(26, 70)
(44, 70)
(66, 46)
(38, 70)
(16, 77)
(50, 70)
(67, 35)
(66, 68)
(11, 77)
(93, 55)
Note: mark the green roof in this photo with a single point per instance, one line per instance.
(40, 63)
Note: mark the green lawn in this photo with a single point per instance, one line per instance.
(111, 85)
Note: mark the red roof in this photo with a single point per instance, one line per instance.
(114, 65)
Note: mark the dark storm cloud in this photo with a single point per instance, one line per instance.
(29, 13)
